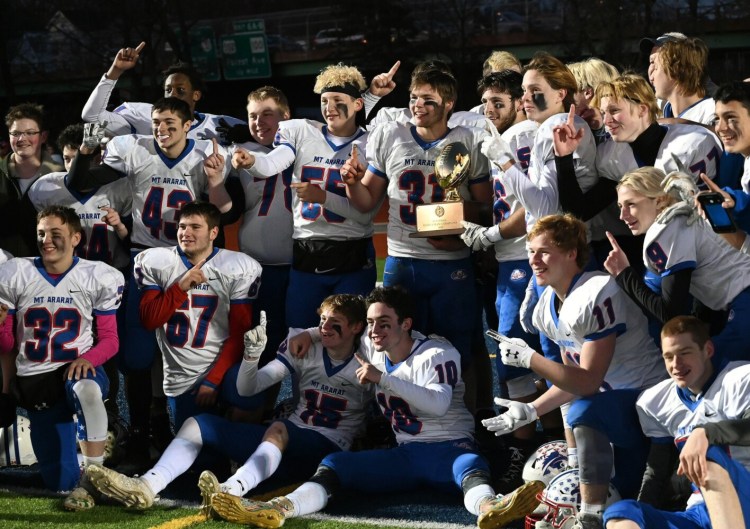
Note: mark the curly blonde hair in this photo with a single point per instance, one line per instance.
(339, 75)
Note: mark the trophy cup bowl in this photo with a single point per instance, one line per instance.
(439, 219)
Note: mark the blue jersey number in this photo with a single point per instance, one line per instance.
(63, 327)
(322, 409)
(447, 373)
(153, 213)
(331, 181)
(178, 326)
(397, 411)
(95, 247)
(269, 191)
(414, 183)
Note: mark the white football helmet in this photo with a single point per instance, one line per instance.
(547, 462)
(15, 444)
(562, 498)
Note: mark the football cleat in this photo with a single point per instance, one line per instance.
(266, 515)
(513, 506)
(131, 492)
(83, 497)
(209, 485)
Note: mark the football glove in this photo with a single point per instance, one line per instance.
(478, 237)
(526, 314)
(94, 135)
(683, 208)
(255, 340)
(496, 149)
(515, 352)
(519, 414)
(238, 133)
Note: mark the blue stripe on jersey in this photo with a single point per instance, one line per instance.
(190, 265)
(620, 328)
(335, 147)
(169, 162)
(54, 282)
(686, 396)
(80, 197)
(243, 301)
(287, 145)
(104, 312)
(424, 144)
(152, 287)
(330, 368)
(285, 361)
(685, 265)
(376, 171)
(662, 440)
(198, 119)
(390, 366)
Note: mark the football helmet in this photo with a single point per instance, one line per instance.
(15, 444)
(547, 462)
(562, 498)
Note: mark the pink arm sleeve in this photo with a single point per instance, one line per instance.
(7, 337)
(107, 342)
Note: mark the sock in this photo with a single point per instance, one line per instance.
(475, 496)
(596, 509)
(572, 457)
(93, 460)
(308, 498)
(177, 458)
(259, 466)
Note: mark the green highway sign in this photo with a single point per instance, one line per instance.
(245, 56)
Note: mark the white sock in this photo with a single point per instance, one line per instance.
(572, 457)
(475, 496)
(592, 508)
(258, 467)
(308, 498)
(93, 460)
(177, 458)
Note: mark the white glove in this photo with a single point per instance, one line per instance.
(497, 150)
(685, 208)
(475, 236)
(516, 352)
(94, 135)
(519, 414)
(255, 340)
(526, 314)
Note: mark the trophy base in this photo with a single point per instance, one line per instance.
(442, 219)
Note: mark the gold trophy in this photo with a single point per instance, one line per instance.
(439, 219)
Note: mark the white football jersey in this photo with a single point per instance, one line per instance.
(432, 361)
(676, 246)
(538, 193)
(668, 411)
(99, 241)
(160, 185)
(4, 256)
(318, 159)
(520, 138)
(331, 399)
(594, 308)
(267, 225)
(399, 155)
(696, 147)
(55, 317)
(135, 118)
(745, 181)
(404, 115)
(193, 337)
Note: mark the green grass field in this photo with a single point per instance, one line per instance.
(22, 511)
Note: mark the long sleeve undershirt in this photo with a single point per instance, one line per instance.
(251, 380)
(674, 299)
(83, 177)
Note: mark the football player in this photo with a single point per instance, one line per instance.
(703, 410)
(329, 414)
(181, 81)
(165, 171)
(401, 157)
(332, 241)
(684, 252)
(420, 391)
(55, 303)
(608, 359)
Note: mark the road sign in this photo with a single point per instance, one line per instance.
(249, 26)
(245, 56)
(203, 52)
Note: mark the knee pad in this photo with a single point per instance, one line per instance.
(595, 459)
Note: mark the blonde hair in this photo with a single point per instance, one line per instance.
(591, 72)
(499, 61)
(651, 182)
(270, 92)
(557, 75)
(628, 87)
(339, 75)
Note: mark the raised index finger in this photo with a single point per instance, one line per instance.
(710, 183)
(359, 359)
(572, 115)
(613, 241)
(354, 153)
(140, 47)
(200, 263)
(393, 70)
(216, 145)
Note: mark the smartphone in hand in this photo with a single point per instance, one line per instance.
(718, 216)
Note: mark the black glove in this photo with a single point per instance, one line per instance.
(233, 133)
